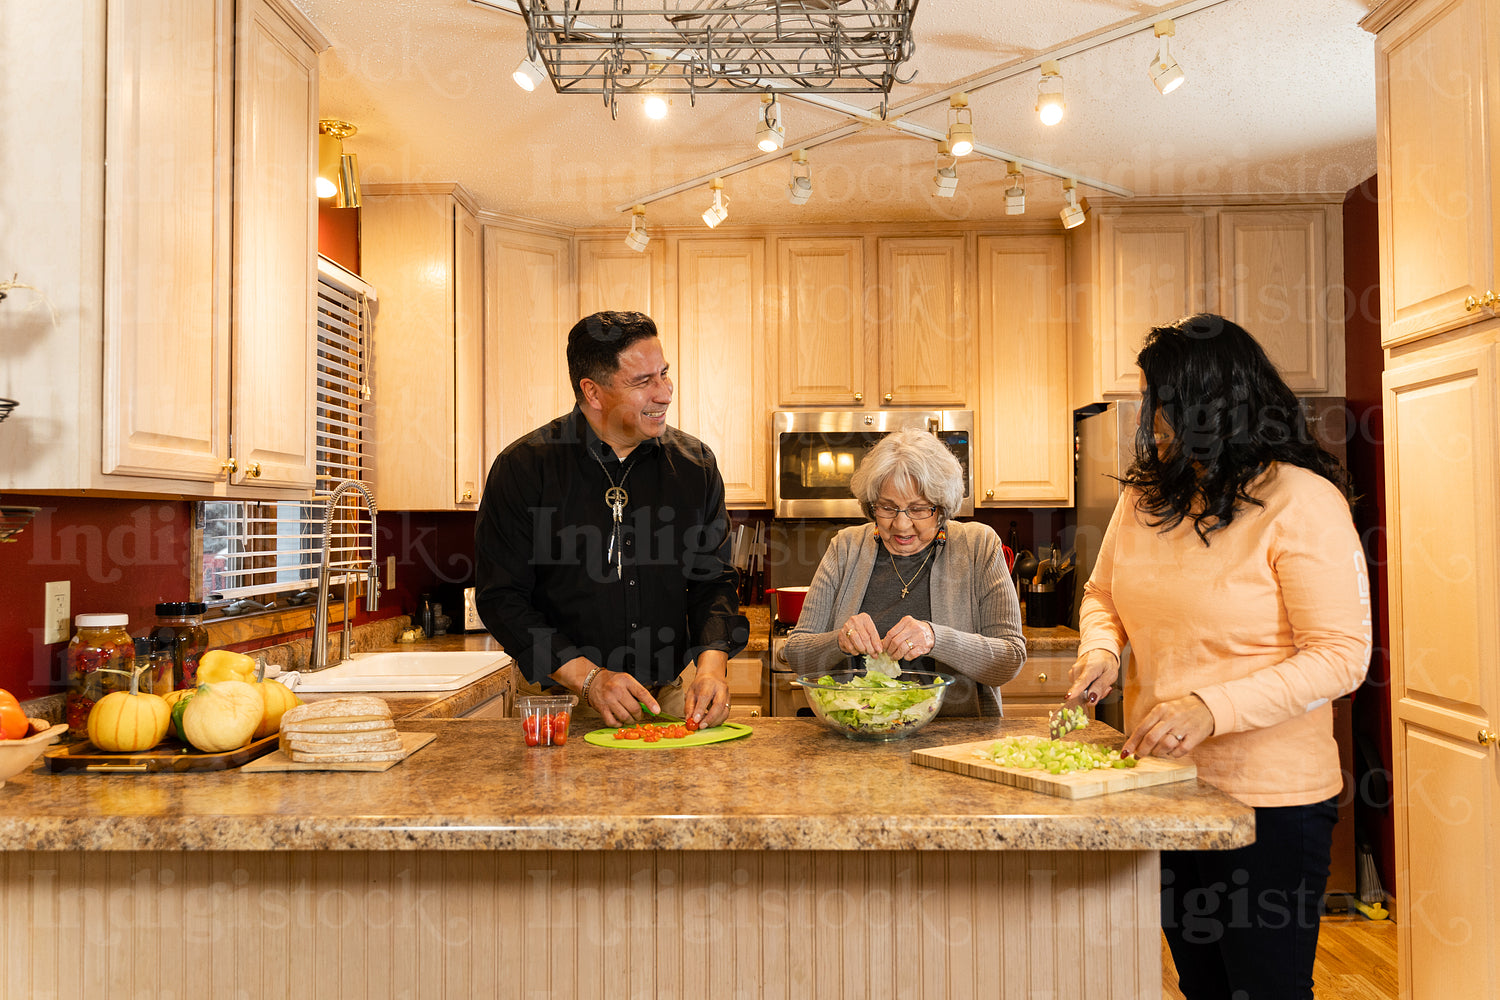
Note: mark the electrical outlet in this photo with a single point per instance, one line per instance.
(390, 572)
(56, 611)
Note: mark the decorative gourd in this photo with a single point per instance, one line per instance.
(129, 721)
(222, 665)
(222, 716)
(178, 700)
(277, 698)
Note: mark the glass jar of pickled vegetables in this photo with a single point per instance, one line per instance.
(179, 630)
(100, 658)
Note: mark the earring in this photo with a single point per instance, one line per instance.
(942, 534)
(877, 534)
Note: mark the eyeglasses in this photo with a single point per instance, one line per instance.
(917, 512)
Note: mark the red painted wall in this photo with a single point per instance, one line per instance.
(338, 235)
(1364, 363)
(118, 555)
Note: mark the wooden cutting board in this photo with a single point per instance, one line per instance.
(959, 758)
(279, 761)
(169, 755)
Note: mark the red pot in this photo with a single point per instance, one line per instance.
(789, 603)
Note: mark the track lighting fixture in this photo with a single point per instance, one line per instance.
(1015, 190)
(529, 74)
(338, 171)
(770, 130)
(960, 125)
(800, 187)
(637, 238)
(1075, 211)
(945, 178)
(655, 106)
(1049, 94)
(1164, 71)
(718, 210)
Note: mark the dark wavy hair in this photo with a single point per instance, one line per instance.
(1231, 416)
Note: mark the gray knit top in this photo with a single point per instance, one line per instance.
(976, 617)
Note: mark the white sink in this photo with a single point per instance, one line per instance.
(404, 671)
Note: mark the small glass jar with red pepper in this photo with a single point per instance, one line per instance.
(100, 658)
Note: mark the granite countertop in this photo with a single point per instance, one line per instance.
(478, 786)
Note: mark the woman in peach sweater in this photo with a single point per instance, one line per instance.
(1232, 568)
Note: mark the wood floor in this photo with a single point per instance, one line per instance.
(1356, 961)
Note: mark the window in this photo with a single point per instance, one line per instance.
(260, 554)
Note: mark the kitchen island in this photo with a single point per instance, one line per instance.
(790, 863)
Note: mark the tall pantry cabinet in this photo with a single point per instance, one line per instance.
(1438, 101)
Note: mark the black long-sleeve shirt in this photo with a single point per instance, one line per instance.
(547, 589)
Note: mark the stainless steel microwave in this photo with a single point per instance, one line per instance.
(815, 453)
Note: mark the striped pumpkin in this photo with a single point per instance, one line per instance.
(128, 720)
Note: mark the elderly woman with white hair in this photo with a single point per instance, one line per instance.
(912, 583)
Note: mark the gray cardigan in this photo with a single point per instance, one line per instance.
(976, 617)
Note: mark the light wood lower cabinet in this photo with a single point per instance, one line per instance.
(1442, 436)
(421, 250)
(1023, 424)
(518, 924)
(722, 395)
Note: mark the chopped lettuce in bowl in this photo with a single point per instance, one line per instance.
(879, 703)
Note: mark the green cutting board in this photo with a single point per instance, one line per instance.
(718, 734)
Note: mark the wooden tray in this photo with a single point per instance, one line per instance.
(279, 761)
(959, 758)
(169, 755)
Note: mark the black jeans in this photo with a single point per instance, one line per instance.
(1243, 924)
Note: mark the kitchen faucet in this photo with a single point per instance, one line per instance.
(319, 659)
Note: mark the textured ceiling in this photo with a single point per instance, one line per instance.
(1279, 99)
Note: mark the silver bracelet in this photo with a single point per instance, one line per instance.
(583, 692)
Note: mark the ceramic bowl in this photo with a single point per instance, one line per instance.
(17, 755)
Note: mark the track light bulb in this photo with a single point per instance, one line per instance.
(1164, 71)
(770, 130)
(638, 238)
(799, 190)
(655, 107)
(718, 209)
(1074, 213)
(960, 126)
(1049, 94)
(1015, 191)
(529, 74)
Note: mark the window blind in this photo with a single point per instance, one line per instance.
(257, 549)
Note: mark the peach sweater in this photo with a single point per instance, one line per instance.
(1267, 624)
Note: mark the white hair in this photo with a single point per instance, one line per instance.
(911, 456)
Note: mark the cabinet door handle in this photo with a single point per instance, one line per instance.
(253, 470)
(1487, 738)
(468, 496)
(889, 398)
(229, 467)
(1489, 298)
(1041, 678)
(859, 397)
(989, 494)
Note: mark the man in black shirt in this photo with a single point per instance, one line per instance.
(602, 541)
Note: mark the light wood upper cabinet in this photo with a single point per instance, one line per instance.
(919, 301)
(190, 137)
(1438, 95)
(1442, 438)
(1023, 424)
(613, 277)
(420, 249)
(1132, 272)
(822, 347)
(722, 395)
(166, 264)
(275, 250)
(1273, 271)
(529, 304)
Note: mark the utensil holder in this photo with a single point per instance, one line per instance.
(1042, 607)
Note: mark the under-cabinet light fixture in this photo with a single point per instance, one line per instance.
(1049, 94)
(770, 130)
(1015, 190)
(960, 125)
(338, 171)
(1164, 70)
(1075, 212)
(799, 189)
(637, 239)
(718, 210)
